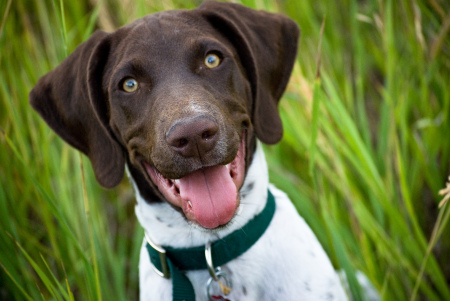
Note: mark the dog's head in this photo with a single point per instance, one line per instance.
(180, 96)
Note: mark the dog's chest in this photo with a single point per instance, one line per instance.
(286, 263)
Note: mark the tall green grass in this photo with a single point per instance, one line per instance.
(365, 151)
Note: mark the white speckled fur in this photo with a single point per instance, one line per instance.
(286, 263)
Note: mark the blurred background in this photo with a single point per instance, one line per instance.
(366, 149)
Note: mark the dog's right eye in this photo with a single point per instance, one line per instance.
(130, 85)
(212, 60)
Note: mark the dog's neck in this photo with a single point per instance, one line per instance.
(168, 227)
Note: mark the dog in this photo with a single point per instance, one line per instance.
(181, 101)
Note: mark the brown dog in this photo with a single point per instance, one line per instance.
(180, 98)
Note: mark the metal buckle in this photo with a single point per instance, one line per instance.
(162, 257)
(209, 262)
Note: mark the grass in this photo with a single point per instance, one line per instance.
(365, 152)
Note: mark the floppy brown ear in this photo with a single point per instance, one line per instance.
(71, 101)
(267, 46)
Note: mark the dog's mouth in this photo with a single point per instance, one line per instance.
(208, 196)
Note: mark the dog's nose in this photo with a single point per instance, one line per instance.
(194, 137)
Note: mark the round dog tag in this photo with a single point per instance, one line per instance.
(217, 288)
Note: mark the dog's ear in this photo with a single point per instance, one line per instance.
(267, 46)
(71, 101)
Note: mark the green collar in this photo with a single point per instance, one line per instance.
(170, 262)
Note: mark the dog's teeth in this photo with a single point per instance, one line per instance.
(228, 166)
(177, 181)
(190, 204)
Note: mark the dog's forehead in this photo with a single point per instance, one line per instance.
(164, 30)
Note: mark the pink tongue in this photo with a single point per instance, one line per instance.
(212, 193)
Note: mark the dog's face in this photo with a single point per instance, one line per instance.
(180, 96)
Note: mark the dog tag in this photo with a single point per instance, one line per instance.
(217, 288)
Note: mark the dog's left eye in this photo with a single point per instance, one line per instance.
(212, 60)
(130, 85)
